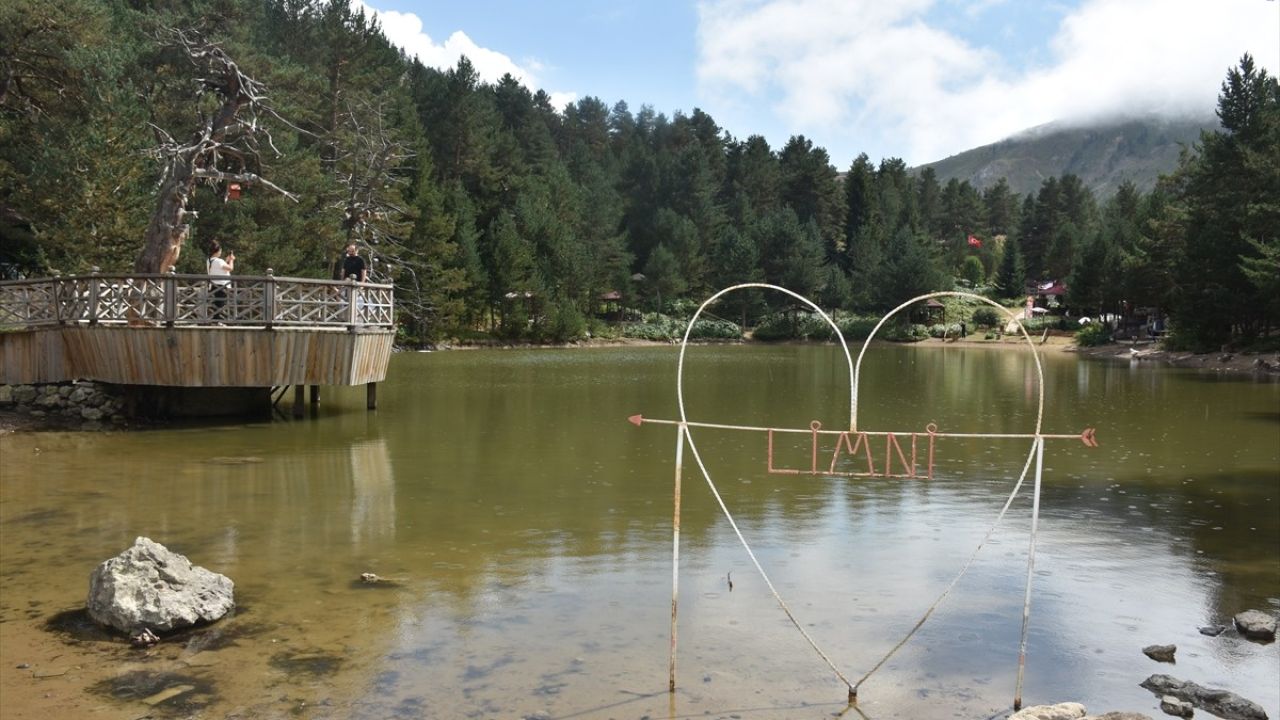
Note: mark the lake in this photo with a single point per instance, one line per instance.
(526, 529)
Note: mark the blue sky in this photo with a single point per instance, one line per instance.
(916, 79)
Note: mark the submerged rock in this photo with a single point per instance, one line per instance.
(1175, 707)
(1222, 703)
(1213, 630)
(1061, 711)
(1256, 625)
(150, 587)
(1160, 653)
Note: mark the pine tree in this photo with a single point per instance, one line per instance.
(1011, 280)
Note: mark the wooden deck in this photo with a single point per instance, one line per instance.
(176, 331)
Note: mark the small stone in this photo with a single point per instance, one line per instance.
(168, 694)
(65, 391)
(1160, 653)
(1213, 630)
(1256, 625)
(38, 413)
(91, 413)
(23, 666)
(144, 638)
(6, 395)
(1175, 707)
(24, 394)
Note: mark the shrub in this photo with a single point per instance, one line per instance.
(662, 328)
(1093, 334)
(706, 329)
(937, 330)
(564, 322)
(986, 317)
(903, 332)
(775, 327)
(856, 327)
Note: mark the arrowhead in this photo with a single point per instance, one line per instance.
(636, 420)
(1087, 437)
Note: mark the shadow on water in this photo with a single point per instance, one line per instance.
(168, 693)
(75, 626)
(1230, 378)
(313, 663)
(1263, 416)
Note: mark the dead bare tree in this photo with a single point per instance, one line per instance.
(223, 148)
(370, 165)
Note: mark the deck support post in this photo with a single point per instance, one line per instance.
(371, 394)
(298, 400)
(315, 394)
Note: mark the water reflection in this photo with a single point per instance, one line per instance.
(529, 527)
(373, 503)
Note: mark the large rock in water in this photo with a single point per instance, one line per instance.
(1256, 625)
(148, 586)
(1222, 703)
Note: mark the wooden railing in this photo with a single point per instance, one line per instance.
(188, 300)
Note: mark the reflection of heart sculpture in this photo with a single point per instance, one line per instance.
(856, 446)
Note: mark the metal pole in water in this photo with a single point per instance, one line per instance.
(1031, 563)
(675, 557)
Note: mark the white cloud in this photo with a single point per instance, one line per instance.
(560, 99)
(405, 30)
(865, 73)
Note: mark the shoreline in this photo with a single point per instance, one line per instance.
(1260, 367)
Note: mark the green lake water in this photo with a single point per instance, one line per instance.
(527, 528)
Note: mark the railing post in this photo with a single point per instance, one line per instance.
(269, 298)
(94, 284)
(58, 314)
(352, 291)
(170, 298)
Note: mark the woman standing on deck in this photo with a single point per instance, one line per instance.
(217, 266)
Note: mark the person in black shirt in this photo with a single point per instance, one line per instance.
(353, 264)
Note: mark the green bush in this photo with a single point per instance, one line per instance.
(563, 323)
(856, 327)
(1093, 334)
(653, 328)
(706, 329)
(987, 317)
(896, 332)
(773, 328)
(662, 328)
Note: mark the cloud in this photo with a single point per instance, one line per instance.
(870, 74)
(405, 30)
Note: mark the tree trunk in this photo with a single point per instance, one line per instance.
(167, 229)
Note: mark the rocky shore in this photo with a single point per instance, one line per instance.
(76, 405)
(1261, 364)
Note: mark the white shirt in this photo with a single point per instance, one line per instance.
(218, 266)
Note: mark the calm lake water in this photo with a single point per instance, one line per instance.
(527, 527)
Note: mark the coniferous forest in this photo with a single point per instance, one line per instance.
(496, 213)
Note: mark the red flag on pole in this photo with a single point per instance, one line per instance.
(974, 241)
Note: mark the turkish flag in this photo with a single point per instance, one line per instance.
(974, 241)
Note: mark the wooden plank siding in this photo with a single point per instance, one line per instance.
(200, 356)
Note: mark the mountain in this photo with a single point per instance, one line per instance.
(1101, 155)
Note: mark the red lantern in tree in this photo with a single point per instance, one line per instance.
(233, 191)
